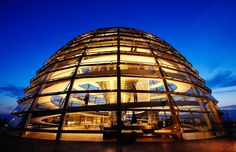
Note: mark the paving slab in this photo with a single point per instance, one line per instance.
(16, 144)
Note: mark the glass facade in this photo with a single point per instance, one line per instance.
(115, 81)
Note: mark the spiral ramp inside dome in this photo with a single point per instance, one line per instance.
(116, 80)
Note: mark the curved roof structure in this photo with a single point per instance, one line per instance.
(116, 82)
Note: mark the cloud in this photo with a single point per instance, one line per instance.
(213, 65)
(12, 90)
(222, 79)
(10, 108)
(229, 107)
(225, 91)
(5, 110)
(230, 89)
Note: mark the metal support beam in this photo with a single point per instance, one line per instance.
(119, 121)
(176, 121)
(61, 122)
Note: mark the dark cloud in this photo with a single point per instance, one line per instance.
(6, 110)
(222, 79)
(12, 90)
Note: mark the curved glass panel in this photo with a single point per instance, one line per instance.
(117, 80)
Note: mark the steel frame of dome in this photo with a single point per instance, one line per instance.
(111, 83)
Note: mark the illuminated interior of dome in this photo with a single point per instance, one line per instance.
(116, 81)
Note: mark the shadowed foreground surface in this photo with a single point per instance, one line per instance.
(15, 144)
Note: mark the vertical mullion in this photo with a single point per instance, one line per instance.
(176, 121)
(63, 113)
(29, 115)
(119, 123)
(69, 93)
(203, 108)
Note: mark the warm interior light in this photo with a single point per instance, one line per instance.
(101, 81)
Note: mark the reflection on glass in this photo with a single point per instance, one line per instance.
(186, 102)
(143, 70)
(31, 91)
(23, 106)
(191, 121)
(44, 122)
(66, 63)
(175, 74)
(133, 83)
(49, 102)
(91, 120)
(104, 83)
(127, 97)
(61, 74)
(137, 59)
(99, 59)
(88, 99)
(123, 76)
(97, 70)
(101, 50)
(147, 121)
(173, 65)
(182, 87)
(60, 86)
(38, 79)
(134, 49)
(17, 121)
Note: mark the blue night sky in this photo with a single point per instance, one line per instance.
(202, 30)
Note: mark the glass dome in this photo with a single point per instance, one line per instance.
(115, 83)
